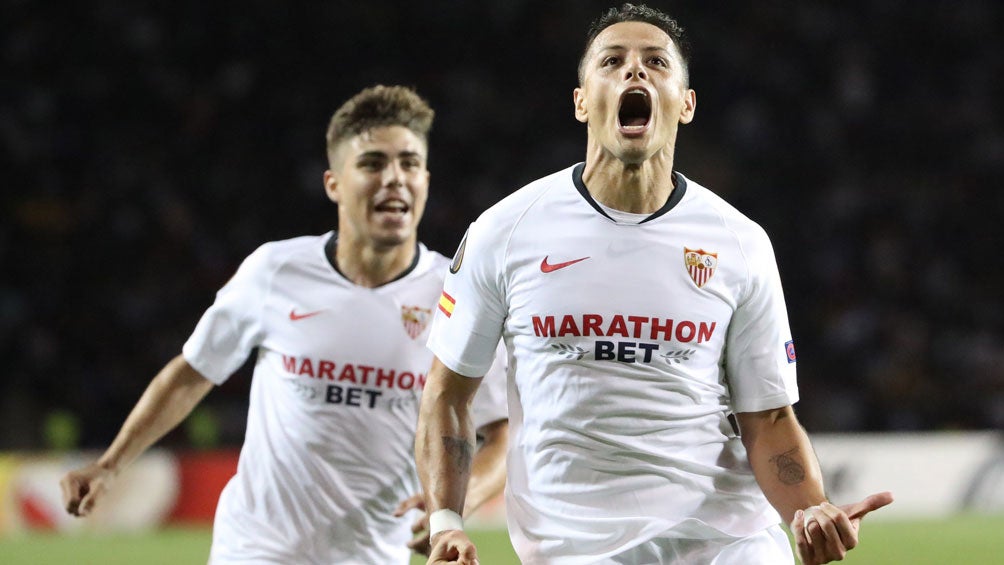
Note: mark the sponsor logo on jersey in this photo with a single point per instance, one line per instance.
(415, 318)
(361, 386)
(295, 317)
(789, 351)
(446, 304)
(546, 267)
(648, 337)
(458, 257)
(700, 265)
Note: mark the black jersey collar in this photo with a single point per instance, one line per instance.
(673, 200)
(329, 253)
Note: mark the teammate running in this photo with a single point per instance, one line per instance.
(339, 322)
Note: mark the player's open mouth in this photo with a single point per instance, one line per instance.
(635, 111)
(393, 206)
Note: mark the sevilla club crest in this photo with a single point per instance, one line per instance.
(415, 318)
(700, 264)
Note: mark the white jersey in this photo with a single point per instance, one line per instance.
(631, 344)
(329, 448)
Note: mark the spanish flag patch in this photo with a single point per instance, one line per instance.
(446, 304)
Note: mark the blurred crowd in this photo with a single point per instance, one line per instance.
(148, 147)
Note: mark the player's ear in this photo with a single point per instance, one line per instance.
(579, 98)
(331, 185)
(689, 107)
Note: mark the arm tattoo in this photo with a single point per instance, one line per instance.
(789, 471)
(459, 451)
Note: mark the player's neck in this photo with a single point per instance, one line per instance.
(639, 189)
(370, 266)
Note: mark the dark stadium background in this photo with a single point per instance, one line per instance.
(147, 147)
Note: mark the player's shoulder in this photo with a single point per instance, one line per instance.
(295, 245)
(272, 254)
(704, 200)
(430, 260)
(513, 206)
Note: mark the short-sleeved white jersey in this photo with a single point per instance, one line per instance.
(630, 346)
(328, 452)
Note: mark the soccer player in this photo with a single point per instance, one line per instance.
(340, 324)
(653, 370)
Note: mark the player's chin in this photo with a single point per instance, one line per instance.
(391, 238)
(634, 153)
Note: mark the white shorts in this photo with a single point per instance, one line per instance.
(769, 547)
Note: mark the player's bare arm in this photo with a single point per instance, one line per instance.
(168, 399)
(786, 469)
(488, 472)
(488, 476)
(444, 448)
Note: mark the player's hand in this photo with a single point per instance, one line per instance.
(453, 546)
(826, 532)
(83, 487)
(420, 543)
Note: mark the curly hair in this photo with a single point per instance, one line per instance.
(637, 13)
(379, 106)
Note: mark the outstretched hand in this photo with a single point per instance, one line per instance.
(826, 532)
(83, 487)
(420, 529)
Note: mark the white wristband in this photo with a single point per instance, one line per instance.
(445, 519)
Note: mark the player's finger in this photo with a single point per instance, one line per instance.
(827, 516)
(77, 491)
(439, 547)
(846, 528)
(88, 501)
(858, 510)
(69, 487)
(414, 501)
(806, 552)
(468, 555)
(420, 525)
(420, 545)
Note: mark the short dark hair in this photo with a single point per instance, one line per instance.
(637, 13)
(379, 106)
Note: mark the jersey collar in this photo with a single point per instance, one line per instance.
(329, 254)
(674, 197)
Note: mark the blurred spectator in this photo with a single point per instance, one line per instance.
(141, 144)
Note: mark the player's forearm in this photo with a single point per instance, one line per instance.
(488, 472)
(445, 441)
(782, 459)
(168, 399)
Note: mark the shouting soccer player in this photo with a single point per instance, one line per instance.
(340, 324)
(653, 367)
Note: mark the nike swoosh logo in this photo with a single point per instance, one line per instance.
(293, 316)
(546, 267)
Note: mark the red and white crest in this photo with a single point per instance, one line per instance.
(700, 264)
(415, 318)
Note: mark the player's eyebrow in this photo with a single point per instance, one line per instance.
(618, 47)
(375, 154)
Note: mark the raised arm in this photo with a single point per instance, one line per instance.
(787, 471)
(168, 399)
(444, 450)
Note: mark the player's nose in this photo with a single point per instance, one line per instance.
(635, 68)
(393, 175)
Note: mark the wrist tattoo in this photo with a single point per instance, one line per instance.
(789, 471)
(459, 450)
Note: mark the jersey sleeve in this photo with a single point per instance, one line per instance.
(760, 358)
(468, 322)
(490, 401)
(231, 327)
